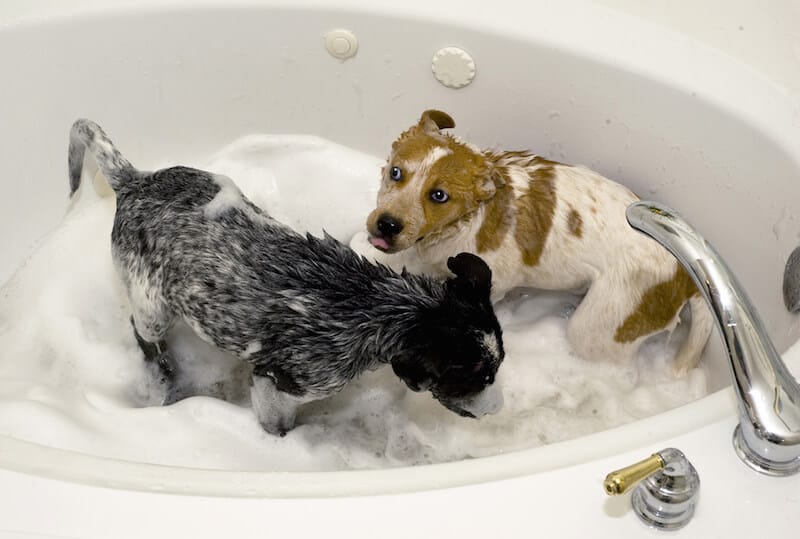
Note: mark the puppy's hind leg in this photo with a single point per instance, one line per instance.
(151, 317)
(592, 329)
(151, 320)
(275, 409)
(161, 365)
(156, 353)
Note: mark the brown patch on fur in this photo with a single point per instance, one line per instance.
(414, 144)
(535, 212)
(658, 307)
(538, 160)
(463, 175)
(521, 158)
(497, 220)
(575, 223)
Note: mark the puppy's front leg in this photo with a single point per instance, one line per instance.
(275, 409)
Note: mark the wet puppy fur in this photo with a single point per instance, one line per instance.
(537, 224)
(308, 313)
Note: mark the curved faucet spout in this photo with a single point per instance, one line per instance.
(768, 435)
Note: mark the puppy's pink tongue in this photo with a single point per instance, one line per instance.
(380, 243)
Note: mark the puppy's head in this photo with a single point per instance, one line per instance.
(430, 182)
(460, 344)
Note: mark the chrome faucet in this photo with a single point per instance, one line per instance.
(768, 435)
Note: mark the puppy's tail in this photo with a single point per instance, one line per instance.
(85, 134)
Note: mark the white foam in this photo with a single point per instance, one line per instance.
(72, 376)
(228, 196)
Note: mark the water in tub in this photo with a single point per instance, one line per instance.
(72, 375)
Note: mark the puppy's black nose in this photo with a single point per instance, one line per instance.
(389, 226)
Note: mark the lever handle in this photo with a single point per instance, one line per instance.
(622, 480)
(667, 488)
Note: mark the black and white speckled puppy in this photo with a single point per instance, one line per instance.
(307, 312)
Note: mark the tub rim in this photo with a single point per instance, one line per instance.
(73, 466)
(763, 111)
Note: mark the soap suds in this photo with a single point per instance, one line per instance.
(72, 375)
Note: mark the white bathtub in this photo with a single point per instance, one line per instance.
(674, 120)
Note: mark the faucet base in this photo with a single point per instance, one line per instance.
(760, 463)
(666, 498)
(650, 511)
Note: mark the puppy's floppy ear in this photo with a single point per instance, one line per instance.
(433, 120)
(472, 274)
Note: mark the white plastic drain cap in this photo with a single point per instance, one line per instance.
(341, 44)
(453, 67)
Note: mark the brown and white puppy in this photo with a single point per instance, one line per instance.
(537, 223)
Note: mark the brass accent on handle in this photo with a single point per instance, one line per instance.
(620, 481)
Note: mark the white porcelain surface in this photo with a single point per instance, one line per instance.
(670, 117)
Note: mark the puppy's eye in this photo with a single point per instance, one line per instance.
(396, 174)
(439, 196)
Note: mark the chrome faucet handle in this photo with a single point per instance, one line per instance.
(667, 489)
(768, 435)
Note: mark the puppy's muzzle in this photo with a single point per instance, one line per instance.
(388, 228)
(486, 402)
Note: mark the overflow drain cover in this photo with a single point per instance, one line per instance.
(341, 44)
(453, 67)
